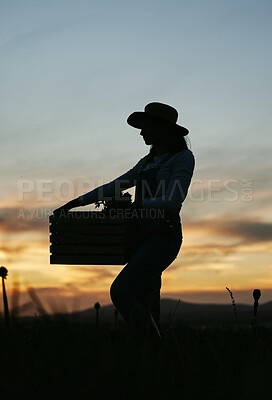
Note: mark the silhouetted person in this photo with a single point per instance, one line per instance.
(162, 178)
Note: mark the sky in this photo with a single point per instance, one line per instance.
(73, 71)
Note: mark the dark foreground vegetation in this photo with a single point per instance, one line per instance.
(44, 357)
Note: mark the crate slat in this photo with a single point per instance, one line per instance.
(90, 238)
(92, 218)
(91, 229)
(81, 249)
(87, 259)
(78, 238)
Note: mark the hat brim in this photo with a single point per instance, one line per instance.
(139, 119)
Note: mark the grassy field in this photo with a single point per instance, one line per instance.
(49, 356)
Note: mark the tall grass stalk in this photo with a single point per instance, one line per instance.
(3, 274)
(171, 315)
(233, 305)
(37, 302)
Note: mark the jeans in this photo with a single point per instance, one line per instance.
(135, 292)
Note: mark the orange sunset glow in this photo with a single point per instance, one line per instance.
(72, 77)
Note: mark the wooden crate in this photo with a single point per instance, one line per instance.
(90, 238)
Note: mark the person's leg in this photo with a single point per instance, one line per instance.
(141, 271)
(149, 296)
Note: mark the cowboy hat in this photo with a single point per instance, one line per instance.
(157, 113)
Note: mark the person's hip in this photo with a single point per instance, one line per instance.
(166, 232)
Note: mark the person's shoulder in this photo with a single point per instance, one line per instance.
(144, 159)
(184, 155)
(141, 162)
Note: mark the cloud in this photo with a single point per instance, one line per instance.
(13, 250)
(198, 257)
(16, 220)
(96, 275)
(251, 231)
(19, 222)
(210, 248)
(205, 241)
(211, 242)
(248, 231)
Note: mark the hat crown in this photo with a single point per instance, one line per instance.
(157, 113)
(162, 110)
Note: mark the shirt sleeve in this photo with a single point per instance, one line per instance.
(112, 188)
(182, 172)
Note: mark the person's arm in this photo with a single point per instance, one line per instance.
(182, 171)
(113, 188)
(66, 207)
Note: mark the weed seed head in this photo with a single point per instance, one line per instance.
(3, 272)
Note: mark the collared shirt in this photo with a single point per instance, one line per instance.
(156, 162)
(173, 180)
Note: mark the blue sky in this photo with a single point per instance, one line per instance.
(72, 72)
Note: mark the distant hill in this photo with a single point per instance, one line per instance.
(193, 314)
